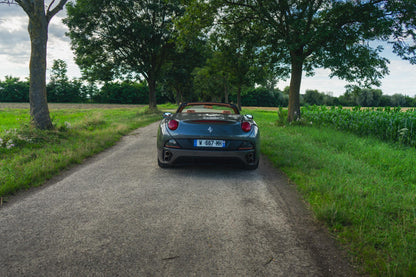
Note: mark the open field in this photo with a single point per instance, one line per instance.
(363, 189)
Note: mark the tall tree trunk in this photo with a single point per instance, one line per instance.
(239, 97)
(38, 32)
(226, 91)
(294, 91)
(178, 96)
(152, 93)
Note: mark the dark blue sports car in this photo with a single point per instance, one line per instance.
(208, 131)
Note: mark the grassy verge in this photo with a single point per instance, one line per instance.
(362, 188)
(29, 157)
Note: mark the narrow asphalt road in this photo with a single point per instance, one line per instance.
(119, 214)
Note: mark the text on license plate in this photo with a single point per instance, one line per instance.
(209, 143)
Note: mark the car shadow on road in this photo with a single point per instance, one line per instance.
(211, 169)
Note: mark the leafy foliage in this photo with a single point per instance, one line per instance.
(403, 28)
(263, 97)
(386, 124)
(60, 89)
(304, 35)
(123, 93)
(115, 39)
(177, 80)
(14, 90)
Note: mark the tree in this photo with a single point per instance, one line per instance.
(307, 34)
(59, 70)
(263, 97)
(118, 38)
(39, 18)
(14, 90)
(207, 83)
(234, 60)
(403, 28)
(235, 54)
(398, 100)
(125, 92)
(313, 97)
(60, 89)
(177, 73)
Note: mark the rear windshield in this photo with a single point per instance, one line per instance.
(208, 109)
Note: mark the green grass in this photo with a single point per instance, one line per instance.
(362, 188)
(29, 157)
(12, 118)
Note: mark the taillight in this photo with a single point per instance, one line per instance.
(173, 124)
(246, 126)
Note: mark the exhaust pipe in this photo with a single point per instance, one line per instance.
(167, 156)
(250, 158)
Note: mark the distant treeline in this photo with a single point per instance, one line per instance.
(127, 92)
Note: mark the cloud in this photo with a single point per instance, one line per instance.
(321, 82)
(15, 43)
(10, 10)
(400, 80)
(14, 39)
(58, 29)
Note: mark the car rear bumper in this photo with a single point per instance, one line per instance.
(170, 156)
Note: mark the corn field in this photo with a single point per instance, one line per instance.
(388, 124)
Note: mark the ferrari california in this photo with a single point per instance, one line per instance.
(206, 131)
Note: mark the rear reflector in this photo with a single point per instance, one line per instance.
(172, 144)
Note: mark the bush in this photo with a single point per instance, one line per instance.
(14, 90)
(262, 97)
(123, 93)
(66, 92)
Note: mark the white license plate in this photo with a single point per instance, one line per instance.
(209, 143)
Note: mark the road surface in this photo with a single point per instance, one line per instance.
(119, 214)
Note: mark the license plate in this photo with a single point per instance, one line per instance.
(209, 143)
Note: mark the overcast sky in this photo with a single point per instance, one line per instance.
(15, 53)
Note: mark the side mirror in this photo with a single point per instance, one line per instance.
(249, 116)
(167, 114)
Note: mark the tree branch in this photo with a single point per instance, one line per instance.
(9, 2)
(26, 6)
(50, 13)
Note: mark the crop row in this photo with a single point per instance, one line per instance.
(388, 124)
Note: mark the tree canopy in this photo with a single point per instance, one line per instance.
(123, 38)
(306, 34)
